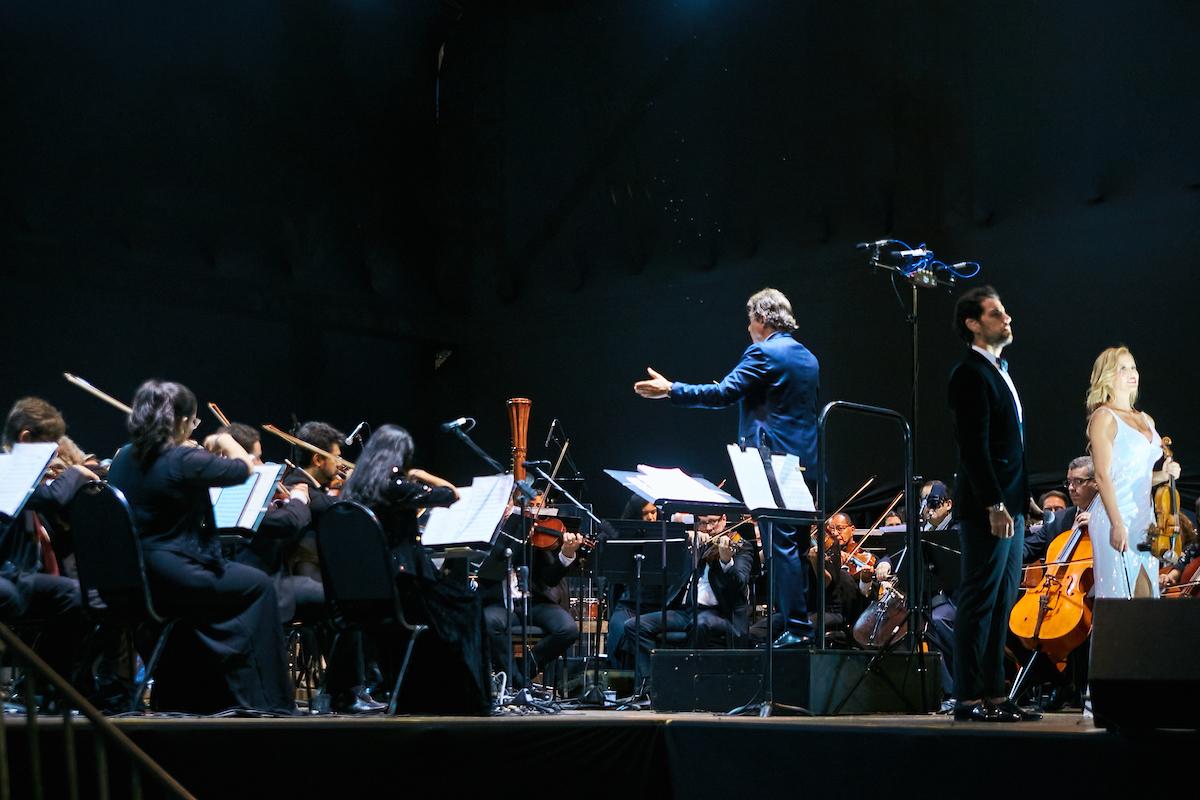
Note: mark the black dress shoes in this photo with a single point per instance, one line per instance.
(1026, 715)
(985, 712)
(789, 639)
(357, 701)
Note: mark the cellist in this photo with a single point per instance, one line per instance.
(1081, 486)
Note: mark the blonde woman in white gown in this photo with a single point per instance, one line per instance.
(1125, 447)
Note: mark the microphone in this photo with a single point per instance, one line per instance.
(535, 464)
(880, 243)
(465, 423)
(349, 440)
(920, 252)
(549, 435)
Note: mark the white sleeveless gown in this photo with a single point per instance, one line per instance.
(1132, 470)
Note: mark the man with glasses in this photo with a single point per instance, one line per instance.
(722, 602)
(845, 598)
(1081, 486)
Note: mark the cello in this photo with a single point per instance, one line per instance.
(1055, 617)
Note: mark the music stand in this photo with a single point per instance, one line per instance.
(674, 492)
(640, 559)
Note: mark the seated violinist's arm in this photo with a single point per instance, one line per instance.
(429, 479)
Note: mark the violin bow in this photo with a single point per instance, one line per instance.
(87, 387)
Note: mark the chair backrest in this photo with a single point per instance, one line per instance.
(356, 567)
(108, 552)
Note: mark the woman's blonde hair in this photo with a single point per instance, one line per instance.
(1104, 372)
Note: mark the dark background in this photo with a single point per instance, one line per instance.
(288, 206)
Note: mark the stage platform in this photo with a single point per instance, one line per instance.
(611, 754)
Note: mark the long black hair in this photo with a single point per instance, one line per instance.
(158, 406)
(389, 447)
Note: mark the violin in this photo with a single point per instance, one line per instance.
(1056, 617)
(1189, 585)
(1164, 539)
(711, 553)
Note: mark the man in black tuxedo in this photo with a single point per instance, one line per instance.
(990, 492)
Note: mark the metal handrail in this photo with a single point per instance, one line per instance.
(915, 571)
(108, 732)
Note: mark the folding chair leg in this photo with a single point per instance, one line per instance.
(391, 710)
(152, 663)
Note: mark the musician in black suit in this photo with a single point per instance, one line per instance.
(991, 491)
(722, 604)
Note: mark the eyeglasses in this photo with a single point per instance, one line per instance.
(840, 528)
(195, 423)
(1069, 482)
(708, 523)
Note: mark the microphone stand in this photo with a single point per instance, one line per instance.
(919, 272)
(595, 695)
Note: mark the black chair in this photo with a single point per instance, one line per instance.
(112, 574)
(360, 581)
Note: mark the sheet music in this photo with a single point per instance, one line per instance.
(20, 472)
(792, 487)
(244, 505)
(756, 489)
(674, 484)
(473, 519)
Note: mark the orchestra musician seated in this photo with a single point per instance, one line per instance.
(1080, 483)
(274, 543)
(845, 593)
(228, 649)
(546, 610)
(32, 585)
(722, 601)
(320, 473)
(1081, 488)
(450, 654)
(936, 507)
(623, 608)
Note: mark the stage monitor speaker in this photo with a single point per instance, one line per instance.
(1145, 666)
(822, 682)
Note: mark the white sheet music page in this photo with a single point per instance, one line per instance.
(756, 489)
(473, 519)
(792, 487)
(20, 472)
(674, 484)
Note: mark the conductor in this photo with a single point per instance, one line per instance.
(775, 386)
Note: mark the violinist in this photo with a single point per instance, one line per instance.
(722, 598)
(31, 585)
(1125, 447)
(321, 474)
(272, 545)
(228, 649)
(1190, 553)
(451, 653)
(845, 596)
(547, 570)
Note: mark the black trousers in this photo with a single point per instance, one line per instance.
(991, 582)
(711, 624)
(228, 649)
(560, 632)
